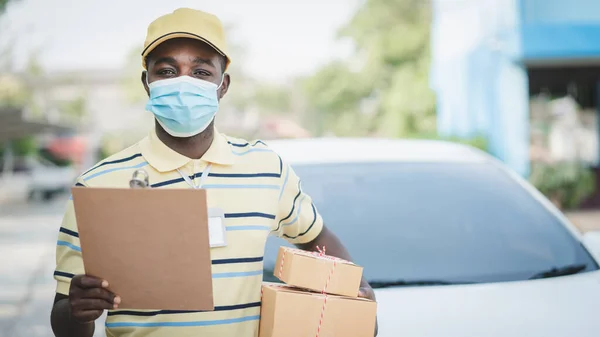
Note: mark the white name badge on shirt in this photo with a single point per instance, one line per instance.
(216, 228)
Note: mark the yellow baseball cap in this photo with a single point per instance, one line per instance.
(188, 23)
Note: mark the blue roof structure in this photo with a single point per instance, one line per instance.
(480, 49)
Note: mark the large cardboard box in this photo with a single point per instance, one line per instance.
(292, 312)
(317, 272)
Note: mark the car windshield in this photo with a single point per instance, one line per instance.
(448, 222)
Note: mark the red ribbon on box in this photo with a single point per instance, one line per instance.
(320, 254)
(335, 260)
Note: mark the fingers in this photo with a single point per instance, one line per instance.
(367, 293)
(86, 282)
(99, 293)
(87, 304)
(83, 286)
(87, 316)
(89, 297)
(86, 310)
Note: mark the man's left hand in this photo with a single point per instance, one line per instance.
(368, 293)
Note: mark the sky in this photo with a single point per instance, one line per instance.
(282, 38)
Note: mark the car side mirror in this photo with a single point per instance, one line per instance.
(592, 241)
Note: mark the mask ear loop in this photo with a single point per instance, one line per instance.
(222, 79)
(147, 83)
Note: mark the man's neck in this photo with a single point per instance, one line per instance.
(192, 147)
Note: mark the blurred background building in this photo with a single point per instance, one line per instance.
(524, 75)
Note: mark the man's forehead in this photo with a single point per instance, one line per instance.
(188, 58)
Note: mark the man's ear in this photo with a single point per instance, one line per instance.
(145, 81)
(225, 86)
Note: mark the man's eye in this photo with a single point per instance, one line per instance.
(166, 72)
(201, 73)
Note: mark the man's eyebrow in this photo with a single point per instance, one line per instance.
(166, 59)
(200, 60)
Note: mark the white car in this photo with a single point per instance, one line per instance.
(47, 180)
(454, 243)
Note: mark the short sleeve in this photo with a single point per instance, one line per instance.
(68, 252)
(298, 220)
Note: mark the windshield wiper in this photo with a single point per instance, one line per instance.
(562, 271)
(408, 283)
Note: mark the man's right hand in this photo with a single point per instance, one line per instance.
(89, 297)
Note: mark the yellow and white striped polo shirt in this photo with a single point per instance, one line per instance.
(259, 194)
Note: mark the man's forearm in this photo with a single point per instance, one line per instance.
(63, 324)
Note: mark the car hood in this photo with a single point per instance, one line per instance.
(560, 306)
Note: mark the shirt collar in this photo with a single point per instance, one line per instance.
(164, 159)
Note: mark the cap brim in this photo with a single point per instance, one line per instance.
(176, 35)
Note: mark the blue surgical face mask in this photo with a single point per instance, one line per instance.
(184, 106)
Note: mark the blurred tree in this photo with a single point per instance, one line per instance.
(12, 91)
(272, 99)
(242, 86)
(24, 146)
(7, 43)
(74, 110)
(3, 4)
(33, 67)
(131, 81)
(384, 88)
(566, 184)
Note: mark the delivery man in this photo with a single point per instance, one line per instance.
(185, 59)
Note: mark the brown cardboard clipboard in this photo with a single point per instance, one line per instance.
(151, 245)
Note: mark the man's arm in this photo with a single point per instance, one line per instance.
(299, 222)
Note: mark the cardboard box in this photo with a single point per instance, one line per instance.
(309, 270)
(291, 312)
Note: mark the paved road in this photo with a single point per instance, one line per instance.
(27, 241)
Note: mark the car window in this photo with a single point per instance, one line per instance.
(458, 222)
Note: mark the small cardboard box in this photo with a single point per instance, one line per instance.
(310, 271)
(291, 312)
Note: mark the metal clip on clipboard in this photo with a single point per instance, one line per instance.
(139, 179)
